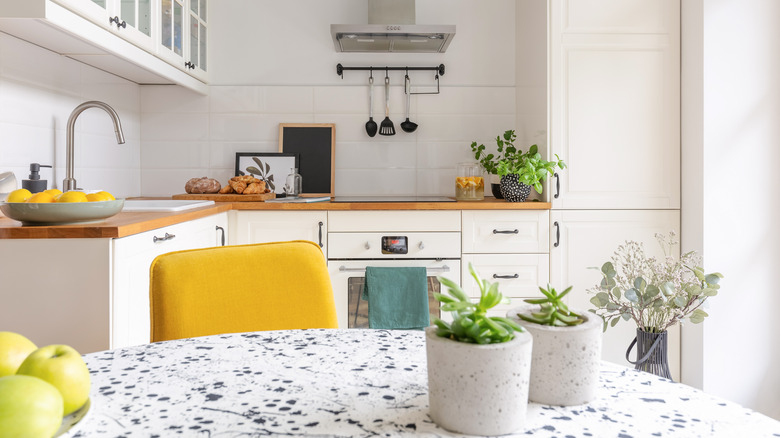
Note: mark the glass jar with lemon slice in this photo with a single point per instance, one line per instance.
(469, 183)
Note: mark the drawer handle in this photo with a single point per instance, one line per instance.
(557, 185)
(557, 234)
(515, 231)
(506, 276)
(167, 236)
(320, 234)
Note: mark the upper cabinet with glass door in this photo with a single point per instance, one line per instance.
(133, 20)
(183, 35)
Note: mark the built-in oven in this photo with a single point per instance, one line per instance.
(350, 253)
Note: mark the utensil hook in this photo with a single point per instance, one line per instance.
(407, 86)
(371, 73)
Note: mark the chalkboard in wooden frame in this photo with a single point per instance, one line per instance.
(315, 143)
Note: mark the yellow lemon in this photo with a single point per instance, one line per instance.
(72, 196)
(54, 192)
(99, 196)
(40, 197)
(19, 195)
(109, 196)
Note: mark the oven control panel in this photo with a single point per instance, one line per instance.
(395, 245)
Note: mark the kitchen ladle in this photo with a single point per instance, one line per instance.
(408, 126)
(371, 124)
(386, 127)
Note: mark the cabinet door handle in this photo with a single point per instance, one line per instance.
(515, 231)
(506, 276)
(557, 234)
(115, 19)
(189, 65)
(321, 224)
(164, 238)
(557, 185)
(223, 235)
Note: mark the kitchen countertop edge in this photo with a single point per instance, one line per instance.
(129, 223)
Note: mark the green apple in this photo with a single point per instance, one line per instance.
(63, 367)
(29, 407)
(14, 348)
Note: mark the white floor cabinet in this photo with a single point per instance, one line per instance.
(92, 294)
(275, 226)
(614, 112)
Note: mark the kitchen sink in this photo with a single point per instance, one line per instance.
(163, 204)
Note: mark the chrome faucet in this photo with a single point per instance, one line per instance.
(69, 183)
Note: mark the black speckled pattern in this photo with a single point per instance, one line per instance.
(356, 383)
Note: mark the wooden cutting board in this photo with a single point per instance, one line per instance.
(232, 197)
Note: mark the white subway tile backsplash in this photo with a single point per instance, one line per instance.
(223, 154)
(174, 126)
(182, 155)
(445, 155)
(289, 100)
(376, 182)
(236, 99)
(375, 155)
(468, 100)
(172, 99)
(167, 182)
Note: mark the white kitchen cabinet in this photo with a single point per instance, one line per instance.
(80, 29)
(90, 293)
(184, 35)
(275, 226)
(132, 20)
(507, 247)
(133, 256)
(614, 109)
(584, 239)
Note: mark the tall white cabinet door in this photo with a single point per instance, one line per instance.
(276, 226)
(614, 116)
(584, 239)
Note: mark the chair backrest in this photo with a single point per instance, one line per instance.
(231, 289)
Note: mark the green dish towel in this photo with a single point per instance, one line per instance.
(397, 298)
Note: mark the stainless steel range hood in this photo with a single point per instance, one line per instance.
(391, 28)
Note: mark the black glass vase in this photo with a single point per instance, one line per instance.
(651, 353)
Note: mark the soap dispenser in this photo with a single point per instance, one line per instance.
(34, 183)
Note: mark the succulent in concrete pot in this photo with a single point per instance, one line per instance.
(567, 349)
(478, 365)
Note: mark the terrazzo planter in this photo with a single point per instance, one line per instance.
(566, 360)
(478, 389)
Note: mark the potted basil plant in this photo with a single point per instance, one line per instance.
(478, 365)
(567, 349)
(518, 171)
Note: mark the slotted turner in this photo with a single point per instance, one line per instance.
(386, 127)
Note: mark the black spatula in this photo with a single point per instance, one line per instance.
(386, 127)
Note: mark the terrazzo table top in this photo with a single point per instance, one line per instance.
(356, 383)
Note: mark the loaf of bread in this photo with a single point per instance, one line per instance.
(202, 185)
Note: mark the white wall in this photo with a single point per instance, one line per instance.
(38, 91)
(731, 156)
(274, 62)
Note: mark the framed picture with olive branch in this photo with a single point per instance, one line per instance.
(271, 167)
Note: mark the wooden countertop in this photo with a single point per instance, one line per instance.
(129, 223)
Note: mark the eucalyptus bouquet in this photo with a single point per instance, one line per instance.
(656, 294)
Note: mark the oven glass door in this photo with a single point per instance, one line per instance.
(348, 279)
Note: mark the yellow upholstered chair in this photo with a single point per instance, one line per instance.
(231, 289)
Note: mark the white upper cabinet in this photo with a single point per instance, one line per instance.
(183, 35)
(615, 103)
(130, 19)
(123, 37)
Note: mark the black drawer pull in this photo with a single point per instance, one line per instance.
(515, 231)
(557, 234)
(506, 276)
(223, 234)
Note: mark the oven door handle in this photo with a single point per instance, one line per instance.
(444, 268)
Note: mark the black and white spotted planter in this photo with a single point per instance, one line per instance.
(566, 360)
(513, 190)
(478, 389)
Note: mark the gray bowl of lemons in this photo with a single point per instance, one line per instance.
(52, 207)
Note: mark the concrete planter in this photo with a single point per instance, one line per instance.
(478, 389)
(566, 360)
